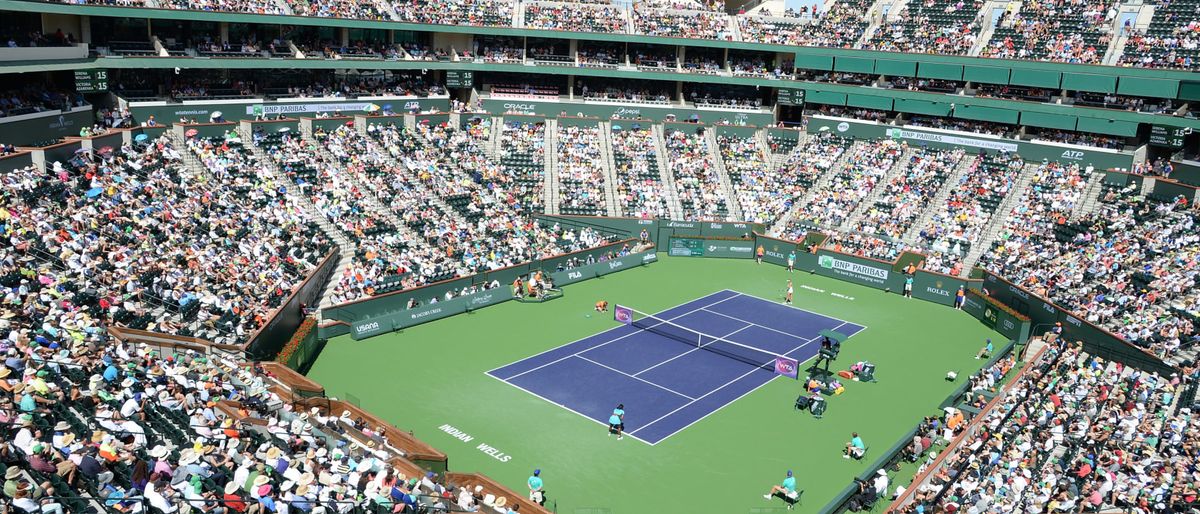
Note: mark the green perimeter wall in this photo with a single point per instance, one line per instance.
(44, 127)
(604, 111)
(1029, 151)
(1045, 314)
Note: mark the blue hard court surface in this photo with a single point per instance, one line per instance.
(668, 385)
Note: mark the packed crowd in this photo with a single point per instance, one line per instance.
(522, 155)
(245, 6)
(1077, 433)
(865, 168)
(762, 195)
(1172, 40)
(575, 17)
(697, 181)
(908, 193)
(1128, 267)
(947, 27)
(1057, 30)
(805, 166)
(477, 13)
(958, 223)
(176, 256)
(93, 424)
(580, 164)
(640, 189)
(683, 24)
(841, 26)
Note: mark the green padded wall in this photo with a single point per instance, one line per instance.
(923, 107)
(974, 112)
(933, 70)
(814, 62)
(824, 97)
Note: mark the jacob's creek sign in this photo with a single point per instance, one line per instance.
(855, 271)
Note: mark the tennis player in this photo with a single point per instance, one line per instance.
(788, 296)
(616, 422)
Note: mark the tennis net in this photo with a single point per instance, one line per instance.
(758, 357)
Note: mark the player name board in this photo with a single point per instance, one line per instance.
(1168, 136)
(91, 81)
(789, 96)
(459, 79)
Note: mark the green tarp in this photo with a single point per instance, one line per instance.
(932, 70)
(824, 97)
(881, 103)
(923, 107)
(1043, 120)
(986, 74)
(1153, 88)
(1035, 78)
(1111, 127)
(1089, 82)
(814, 62)
(896, 68)
(854, 65)
(975, 112)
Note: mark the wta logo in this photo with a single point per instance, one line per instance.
(787, 367)
(623, 314)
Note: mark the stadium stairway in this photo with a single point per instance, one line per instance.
(990, 12)
(493, 149)
(550, 186)
(735, 209)
(867, 202)
(821, 183)
(964, 166)
(1091, 197)
(1145, 13)
(345, 247)
(660, 151)
(999, 218)
(875, 17)
(610, 172)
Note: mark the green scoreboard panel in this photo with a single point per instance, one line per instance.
(456, 79)
(789, 96)
(91, 81)
(1168, 136)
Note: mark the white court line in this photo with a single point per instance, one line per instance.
(844, 322)
(751, 323)
(714, 411)
(552, 402)
(635, 332)
(689, 351)
(635, 378)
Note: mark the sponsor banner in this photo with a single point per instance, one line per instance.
(929, 137)
(571, 276)
(623, 314)
(857, 270)
(787, 367)
(729, 249)
(606, 111)
(30, 129)
(936, 288)
(370, 327)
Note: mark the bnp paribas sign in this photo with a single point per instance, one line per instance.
(853, 270)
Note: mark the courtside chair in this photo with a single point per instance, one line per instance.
(794, 499)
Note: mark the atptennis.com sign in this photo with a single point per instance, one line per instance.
(853, 269)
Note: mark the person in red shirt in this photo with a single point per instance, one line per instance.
(232, 500)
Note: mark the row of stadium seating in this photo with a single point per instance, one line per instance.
(1049, 31)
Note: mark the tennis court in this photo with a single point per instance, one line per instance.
(677, 366)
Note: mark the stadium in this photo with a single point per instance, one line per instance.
(599, 256)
